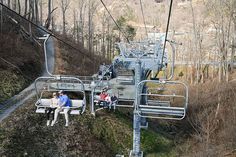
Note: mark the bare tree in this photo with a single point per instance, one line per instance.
(14, 5)
(9, 3)
(26, 8)
(32, 10)
(19, 6)
(49, 18)
(75, 28)
(41, 12)
(64, 6)
(36, 11)
(91, 11)
(80, 30)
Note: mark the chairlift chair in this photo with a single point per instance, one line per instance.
(161, 104)
(52, 84)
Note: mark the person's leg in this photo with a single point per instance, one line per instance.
(110, 105)
(55, 116)
(53, 113)
(102, 103)
(48, 115)
(99, 102)
(49, 110)
(66, 110)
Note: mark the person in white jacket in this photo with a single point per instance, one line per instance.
(52, 108)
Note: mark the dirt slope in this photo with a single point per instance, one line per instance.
(20, 63)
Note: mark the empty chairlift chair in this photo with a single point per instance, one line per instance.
(45, 86)
(163, 99)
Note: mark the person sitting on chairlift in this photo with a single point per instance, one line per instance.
(64, 102)
(102, 98)
(113, 101)
(52, 108)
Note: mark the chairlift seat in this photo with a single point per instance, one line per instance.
(162, 111)
(43, 104)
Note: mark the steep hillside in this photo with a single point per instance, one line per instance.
(25, 134)
(76, 60)
(209, 128)
(20, 62)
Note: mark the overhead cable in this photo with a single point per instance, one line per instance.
(143, 18)
(115, 22)
(167, 29)
(49, 32)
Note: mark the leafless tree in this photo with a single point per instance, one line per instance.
(26, 8)
(49, 18)
(64, 6)
(41, 12)
(19, 6)
(92, 6)
(36, 11)
(80, 30)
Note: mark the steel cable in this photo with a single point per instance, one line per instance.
(143, 18)
(115, 21)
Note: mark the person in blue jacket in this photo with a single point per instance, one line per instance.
(64, 104)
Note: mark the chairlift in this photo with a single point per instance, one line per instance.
(47, 85)
(167, 104)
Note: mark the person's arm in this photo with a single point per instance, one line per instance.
(62, 101)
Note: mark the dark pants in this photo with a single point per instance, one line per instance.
(49, 110)
(103, 102)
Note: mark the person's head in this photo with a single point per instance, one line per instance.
(61, 92)
(54, 94)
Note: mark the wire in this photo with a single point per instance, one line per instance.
(115, 22)
(47, 31)
(143, 18)
(167, 29)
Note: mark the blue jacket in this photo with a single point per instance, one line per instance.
(64, 101)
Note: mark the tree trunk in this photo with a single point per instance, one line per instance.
(41, 12)
(233, 43)
(48, 21)
(82, 6)
(14, 5)
(36, 12)
(195, 43)
(75, 25)
(19, 7)
(26, 8)
(9, 3)
(220, 72)
(32, 6)
(64, 22)
(64, 7)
